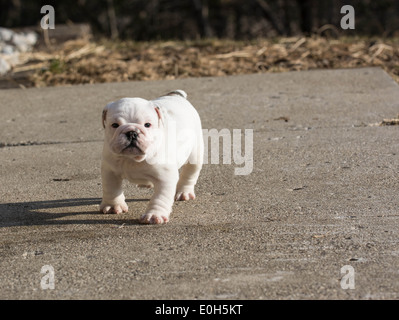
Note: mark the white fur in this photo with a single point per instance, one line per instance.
(173, 141)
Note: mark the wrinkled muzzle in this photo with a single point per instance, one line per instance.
(130, 139)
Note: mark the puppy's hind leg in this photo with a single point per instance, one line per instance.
(188, 178)
(190, 171)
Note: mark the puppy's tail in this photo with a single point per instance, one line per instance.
(178, 93)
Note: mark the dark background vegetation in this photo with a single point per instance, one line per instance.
(143, 20)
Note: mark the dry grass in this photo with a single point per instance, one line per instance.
(81, 61)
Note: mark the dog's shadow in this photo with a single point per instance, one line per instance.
(51, 212)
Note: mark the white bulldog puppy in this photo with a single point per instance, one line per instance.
(147, 142)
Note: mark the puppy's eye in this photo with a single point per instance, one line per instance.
(114, 125)
(147, 125)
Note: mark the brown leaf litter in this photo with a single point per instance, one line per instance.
(83, 61)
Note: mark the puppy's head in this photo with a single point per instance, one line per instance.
(132, 127)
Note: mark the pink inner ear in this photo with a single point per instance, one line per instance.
(158, 112)
(104, 117)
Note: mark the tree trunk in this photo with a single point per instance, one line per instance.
(202, 11)
(305, 7)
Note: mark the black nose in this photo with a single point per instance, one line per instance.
(131, 135)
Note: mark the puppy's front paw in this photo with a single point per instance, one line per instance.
(154, 218)
(114, 209)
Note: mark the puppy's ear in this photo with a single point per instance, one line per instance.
(104, 117)
(159, 112)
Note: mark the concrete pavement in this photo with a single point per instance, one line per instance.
(322, 195)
